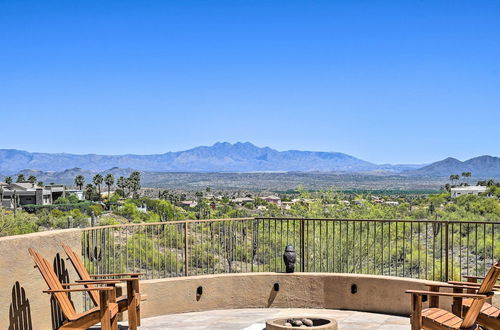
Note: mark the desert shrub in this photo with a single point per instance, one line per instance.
(62, 200)
(129, 210)
(97, 209)
(82, 206)
(148, 257)
(72, 199)
(22, 223)
(202, 256)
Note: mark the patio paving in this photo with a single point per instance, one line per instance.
(254, 319)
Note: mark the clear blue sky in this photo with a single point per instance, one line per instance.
(386, 81)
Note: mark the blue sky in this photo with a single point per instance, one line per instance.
(386, 81)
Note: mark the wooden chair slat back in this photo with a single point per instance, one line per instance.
(81, 271)
(486, 287)
(53, 283)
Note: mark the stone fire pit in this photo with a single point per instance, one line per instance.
(302, 323)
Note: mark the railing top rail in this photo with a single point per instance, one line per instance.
(168, 223)
(294, 218)
(381, 220)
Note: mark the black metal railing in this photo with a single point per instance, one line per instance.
(425, 249)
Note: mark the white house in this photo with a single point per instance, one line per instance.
(467, 190)
(243, 200)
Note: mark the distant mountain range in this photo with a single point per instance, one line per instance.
(221, 157)
(238, 157)
(483, 166)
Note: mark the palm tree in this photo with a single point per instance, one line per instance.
(466, 175)
(129, 185)
(134, 182)
(20, 178)
(98, 181)
(122, 184)
(8, 180)
(89, 191)
(79, 181)
(40, 184)
(32, 179)
(109, 180)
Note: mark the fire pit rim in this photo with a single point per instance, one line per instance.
(273, 325)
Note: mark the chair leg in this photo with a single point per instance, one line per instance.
(132, 305)
(113, 318)
(456, 307)
(416, 315)
(104, 312)
(138, 302)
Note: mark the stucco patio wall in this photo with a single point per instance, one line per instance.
(383, 294)
(16, 266)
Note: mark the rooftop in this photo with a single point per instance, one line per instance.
(469, 188)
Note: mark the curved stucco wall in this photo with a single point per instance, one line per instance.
(176, 295)
(383, 294)
(25, 303)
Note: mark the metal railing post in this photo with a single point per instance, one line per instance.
(302, 247)
(186, 249)
(447, 248)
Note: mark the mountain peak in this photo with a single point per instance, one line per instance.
(482, 166)
(220, 157)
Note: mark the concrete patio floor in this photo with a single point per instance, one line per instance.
(254, 319)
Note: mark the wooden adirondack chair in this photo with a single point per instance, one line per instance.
(437, 318)
(106, 312)
(129, 303)
(489, 316)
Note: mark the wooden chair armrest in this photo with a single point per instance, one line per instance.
(448, 294)
(471, 285)
(108, 281)
(102, 288)
(117, 274)
(476, 278)
(453, 286)
(72, 284)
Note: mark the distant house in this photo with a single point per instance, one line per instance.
(272, 199)
(78, 193)
(467, 190)
(243, 200)
(188, 203)
(394, 203)
(29, 193)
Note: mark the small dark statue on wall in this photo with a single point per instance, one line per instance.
(289, 257)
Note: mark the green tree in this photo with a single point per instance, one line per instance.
(97, 180)
(109, 180)
(32, 179)
(122, 184)
(79, 181)
(8, 180)
(134, 182)
(91, 192)
(466, 175)
(40, 184)
(454, 177)
(20, 178)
